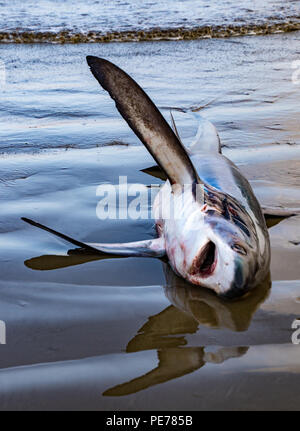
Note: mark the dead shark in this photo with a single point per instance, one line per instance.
(220, 241)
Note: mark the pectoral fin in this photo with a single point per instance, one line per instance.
(146, 121)
(147, 248)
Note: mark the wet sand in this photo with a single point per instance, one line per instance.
(123, 333)
(112, 334)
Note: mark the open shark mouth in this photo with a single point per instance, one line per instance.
(205, 263)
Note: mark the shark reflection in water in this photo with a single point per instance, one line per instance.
(191, 309)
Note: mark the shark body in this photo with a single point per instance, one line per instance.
(216, 238)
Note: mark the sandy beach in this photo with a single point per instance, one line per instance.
(85, 332)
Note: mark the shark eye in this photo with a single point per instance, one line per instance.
(239, 249)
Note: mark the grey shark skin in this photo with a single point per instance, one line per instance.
(219, 241)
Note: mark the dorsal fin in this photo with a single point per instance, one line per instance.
(146, 121)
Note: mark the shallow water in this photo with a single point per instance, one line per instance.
(111, 334)
(49, 98)
(120, 15)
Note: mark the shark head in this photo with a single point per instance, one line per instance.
(216, 245)
(224, 260)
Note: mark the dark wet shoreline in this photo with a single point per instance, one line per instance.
(155, 34)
